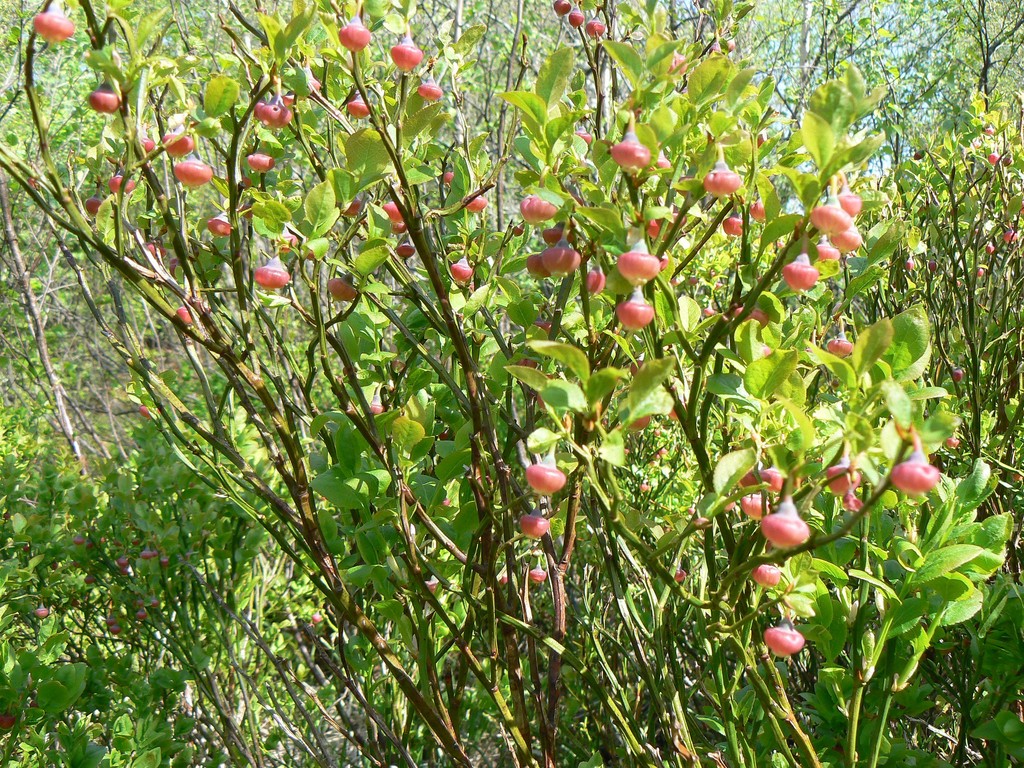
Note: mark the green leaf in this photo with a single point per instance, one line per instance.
(368, 260)
(356, 491)
(992, 534)
(726, 385)
(531, 377)
(709, 79)
(554, 77)
(689, 313)
(53, 697)
(1006, 729)
(942, 561)
(329, 529)
(898, 403)
(908, 615)
(663, 122)
(420, 408)
(271, 28)
(939, 426)
(541, 440)
(321, 208)
(605, 218)
(766, 376)
(910, 351)
(406, 432)
(871, 344)
(148, 24)
(748, 341)
(647, 395)
(779, 227)
(564, 396)
(532, 107)
(467, 42)
(927, 393)
(807, 185)
(857, 573)
(572, 357)
(739, 85)
(833, 103)
(602, 382)
(477, 300)
(303, 17)
(656, 403)
(1011, 728)
(273, 214)
(803, 439)
(976, 487)
(221, 94)
(837, 366)
(367, 157)
(731, 468)
(420, 174)
(860, 284)
(149, 759)
(73, 677)
(323, 419)
(855, 153)
(834, 573)
(613, 449)
(838, 633)
(318, 247)
(421, 120)
(629, 61)
(883, 239)
(963, 608)
(818, 137)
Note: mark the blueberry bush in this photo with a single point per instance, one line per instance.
(588, 413)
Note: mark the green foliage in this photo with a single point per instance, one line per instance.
(313, 554)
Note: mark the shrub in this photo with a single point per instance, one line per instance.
(376, 359)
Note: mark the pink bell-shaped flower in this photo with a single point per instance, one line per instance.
(193, 172)
(219, 225)
(850, 201)
(537, 575)
(722, 181)
(766, 575)
(799, 274)
(595, 280)
(637, 265)
(915, 476)
(784, 639)
(830, 218)
(272, 275)
(826, 251)
(784, 527)
(461, 271)
(536, 210)
(354, 36)
(753, 505)
(629, 154)
(429, 90)
(635, 313)
(406, 55)
(545, 478)
(534, 525)
(841, 478)
(840, 346)
(561, 258)
(52, 25)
